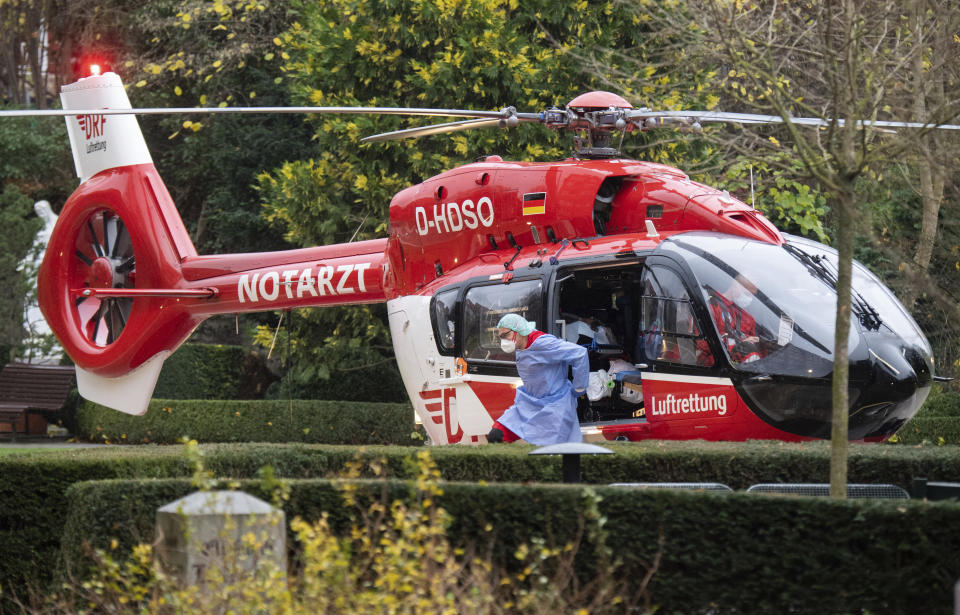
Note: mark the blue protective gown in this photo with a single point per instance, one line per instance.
(545, 408)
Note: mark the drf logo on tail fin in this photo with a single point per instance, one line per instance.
(91, 125)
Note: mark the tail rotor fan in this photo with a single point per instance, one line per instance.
(103, 258)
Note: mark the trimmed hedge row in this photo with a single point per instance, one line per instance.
(167, 421)
(32, 487)
(733, 553)
(343, 422)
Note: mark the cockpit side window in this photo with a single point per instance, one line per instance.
(669, 330)
(443, 311)
(484, 306)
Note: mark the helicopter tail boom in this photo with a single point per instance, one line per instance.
(121, 283)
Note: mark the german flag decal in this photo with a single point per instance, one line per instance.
(534, 203)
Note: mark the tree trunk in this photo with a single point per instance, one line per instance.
(846, 98)
(839, 439)
(931, 174)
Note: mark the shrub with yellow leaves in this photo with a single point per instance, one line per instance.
(394, 556)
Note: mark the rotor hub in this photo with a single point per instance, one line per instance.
(102, 273)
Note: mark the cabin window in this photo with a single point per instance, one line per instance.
(484, 306)
(444, 320)
(669, 330)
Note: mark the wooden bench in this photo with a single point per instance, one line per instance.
(25, 388)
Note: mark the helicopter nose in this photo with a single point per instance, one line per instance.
(896, 380)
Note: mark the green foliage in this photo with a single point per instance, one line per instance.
(167, 421)
(395, 555)
(19, 225)
(942, 402)
(363, 375)
(480, 54)
(35, 165)
(937, 422)
(772, 546)
(36, 159)
(190, 52)
(794, 207)
(937, 430)
(33, 486)
(213, 371)
(334, 353)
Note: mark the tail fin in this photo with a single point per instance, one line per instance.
(102, 142)
(119, 231)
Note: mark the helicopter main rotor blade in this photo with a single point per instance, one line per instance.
(434, 129)
(502, 114)
(753, 118)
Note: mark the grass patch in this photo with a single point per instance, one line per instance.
(18, 450)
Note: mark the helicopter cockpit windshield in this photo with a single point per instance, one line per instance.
(773, 307)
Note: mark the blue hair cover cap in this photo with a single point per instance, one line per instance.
(516, 322)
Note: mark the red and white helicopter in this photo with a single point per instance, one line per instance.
(630, 258)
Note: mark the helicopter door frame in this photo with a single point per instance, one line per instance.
(495, 366)
(571, 268)
(452, 317)
(697, 311)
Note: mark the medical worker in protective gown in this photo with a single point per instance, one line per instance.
(545, 408)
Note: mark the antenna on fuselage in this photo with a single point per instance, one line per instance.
(651, 230)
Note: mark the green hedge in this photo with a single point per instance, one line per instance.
(213, 371)
(167, 421)
(937, 421)
(733, 553)
(32, 487)
(930, 429)
(942, 401)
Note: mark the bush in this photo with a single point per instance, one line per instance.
(32, 487)
(937, 421)
(930, 429)
(363, 375)
(318, 422)
(378, 546)
(213, 371)
(942, 401)
(734, 553)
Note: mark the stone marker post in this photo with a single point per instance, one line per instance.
(228, 533)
